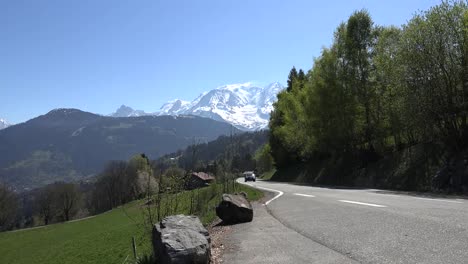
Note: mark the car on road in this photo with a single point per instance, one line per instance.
(249, 176)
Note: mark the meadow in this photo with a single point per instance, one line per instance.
(107, 238)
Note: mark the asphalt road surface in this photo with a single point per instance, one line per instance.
(303, 224)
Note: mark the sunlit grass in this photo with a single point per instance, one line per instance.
(267, 175)
(107, 237)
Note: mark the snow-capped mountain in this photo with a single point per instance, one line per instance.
(174, 107)
(126, 111)
(244, 105)
(4, 124)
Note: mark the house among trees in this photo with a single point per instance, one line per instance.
(199, 180)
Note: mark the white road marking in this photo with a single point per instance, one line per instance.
(263, 188)
(438, 200)
(271, 190)
(368, 204)
(305, 195)
(459, 201)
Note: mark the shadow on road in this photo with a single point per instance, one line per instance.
(433, 195)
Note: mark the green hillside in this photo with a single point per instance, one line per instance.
(105, 238)
(70, 145)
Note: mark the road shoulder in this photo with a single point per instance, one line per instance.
(266, 240)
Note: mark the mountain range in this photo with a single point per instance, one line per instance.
(245, 105)
(70, 144)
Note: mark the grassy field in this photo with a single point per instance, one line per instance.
(105, 238)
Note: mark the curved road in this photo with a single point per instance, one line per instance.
(304, 224)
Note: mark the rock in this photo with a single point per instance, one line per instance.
(234, 208)
(181, 239)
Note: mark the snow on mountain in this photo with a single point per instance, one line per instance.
(126, 111)
(244, 105)
(266, 99)
(174, 107)
(4, 124)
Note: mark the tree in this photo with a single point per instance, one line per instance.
(301, 78)
(8, 207)
(263, 158)
(113, 187)
(68, 199)
(360, 38)
(377, 88)
(291, 79)
(433, 52)
(331, 106)
(389, 85)
(45, 202)
(282, 156)
(140, 176)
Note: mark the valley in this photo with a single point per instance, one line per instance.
(72, 145)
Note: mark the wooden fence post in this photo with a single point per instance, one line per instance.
(134, 248)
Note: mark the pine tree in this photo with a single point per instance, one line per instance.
(291, 78)
(301, 78)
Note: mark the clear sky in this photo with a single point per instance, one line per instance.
(98, 54)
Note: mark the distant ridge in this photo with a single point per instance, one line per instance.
(70, 144)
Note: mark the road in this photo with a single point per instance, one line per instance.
(304, 224)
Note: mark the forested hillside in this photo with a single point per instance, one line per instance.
(234, 153)
(69, 144)
(382, 106)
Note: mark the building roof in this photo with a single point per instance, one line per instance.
(202, 175)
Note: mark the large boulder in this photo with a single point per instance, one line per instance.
(234, 208)
(181, 239)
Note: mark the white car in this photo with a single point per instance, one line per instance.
(249, 176)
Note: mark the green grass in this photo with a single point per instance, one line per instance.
(105, 238)
(252, 194)
(267, 175)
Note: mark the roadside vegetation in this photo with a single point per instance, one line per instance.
(123, 202)
(121, 182)
(382, 106)
(107, 237)
(267, 175)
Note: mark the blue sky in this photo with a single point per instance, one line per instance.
(98, 54)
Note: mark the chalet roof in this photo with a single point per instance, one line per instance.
(202, 175)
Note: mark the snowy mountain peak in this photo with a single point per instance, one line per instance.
(173, 107)
(4, 124)
(124, 108)
(275, 85)
(244, 105)
(126, 111)
(235, 86)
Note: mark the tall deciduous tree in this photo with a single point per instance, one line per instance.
(46, 203)
(360, 40)
(68, 199)
(379, 88)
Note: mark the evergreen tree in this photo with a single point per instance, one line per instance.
(301, 78)
(291, 78)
